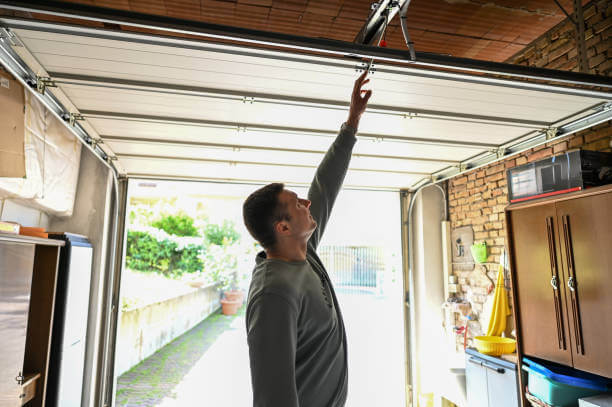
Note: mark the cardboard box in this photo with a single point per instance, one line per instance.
(12, 119)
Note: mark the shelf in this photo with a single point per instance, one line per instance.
(8, 237)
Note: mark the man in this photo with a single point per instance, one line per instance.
(296, 335)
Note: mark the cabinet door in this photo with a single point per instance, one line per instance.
(502, 385)
(16, 264)
(542, 320)
(585, 228)
(476, 383)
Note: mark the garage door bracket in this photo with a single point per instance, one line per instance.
(44, 82)
(551, 133)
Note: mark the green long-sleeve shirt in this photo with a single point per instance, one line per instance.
(296, 335)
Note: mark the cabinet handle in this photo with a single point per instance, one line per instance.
(571, 284)
(477, 362)
(554, 282)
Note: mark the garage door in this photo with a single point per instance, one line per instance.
(176, 108)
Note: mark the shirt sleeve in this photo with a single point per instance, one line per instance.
(272, 339)
(328, 180)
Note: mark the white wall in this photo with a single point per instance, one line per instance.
(13, 211)
(91, 217)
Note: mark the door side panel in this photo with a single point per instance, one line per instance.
(585, 227)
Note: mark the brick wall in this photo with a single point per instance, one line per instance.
(478, 198)
(557, 49)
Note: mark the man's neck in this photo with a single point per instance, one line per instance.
(288, 251)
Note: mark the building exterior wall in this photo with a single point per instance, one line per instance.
(144, 330)
(478, 198)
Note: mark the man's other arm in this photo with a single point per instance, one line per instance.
(272, 339)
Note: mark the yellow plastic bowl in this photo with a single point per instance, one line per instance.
(494, 345)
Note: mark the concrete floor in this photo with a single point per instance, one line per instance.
(208, 366)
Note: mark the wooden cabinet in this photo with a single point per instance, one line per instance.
(562, 269)
(28, 275)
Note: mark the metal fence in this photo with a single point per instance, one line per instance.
(354, 269)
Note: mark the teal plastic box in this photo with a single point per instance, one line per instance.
(560, 386)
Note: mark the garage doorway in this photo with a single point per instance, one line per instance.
(174, 345)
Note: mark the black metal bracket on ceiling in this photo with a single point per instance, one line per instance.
(383, 11)
(300, 44)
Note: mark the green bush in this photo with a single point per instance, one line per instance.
(145, 253)
(220, 235)
(178, 225)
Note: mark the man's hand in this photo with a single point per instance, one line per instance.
(358, 102)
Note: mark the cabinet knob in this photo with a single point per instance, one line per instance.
(554, 283)
(19, 378)
(571, 283)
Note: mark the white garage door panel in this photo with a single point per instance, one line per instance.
(159, 104)
(213, 69)
(199, 108)
(278, 157)
(225, 172)
(191, 133)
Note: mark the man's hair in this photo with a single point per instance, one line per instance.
(261, 210)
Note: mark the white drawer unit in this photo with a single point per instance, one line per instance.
(490, 381)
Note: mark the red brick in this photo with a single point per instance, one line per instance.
(494, 170)
(559, 148)
(480, 174)
(576, 141)
(470, 185)
(510, 163)
(494, 177)
(521, 160)
(481, 235)
(547, 152)
(459, 181)
(596, 135)
(479, 182)
(598, 145)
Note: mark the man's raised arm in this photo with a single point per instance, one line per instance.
(331, 172)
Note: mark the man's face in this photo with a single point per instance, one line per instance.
(301, 223)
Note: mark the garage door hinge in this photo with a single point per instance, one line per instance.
(606, 107)
(551, 133)
(44, 82)
(8, 35)
(462, 167)
(362, 66)
(248, 99)
(74, 117)
(500, 152)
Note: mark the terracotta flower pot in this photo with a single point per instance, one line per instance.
(230, 307)
(234, 295)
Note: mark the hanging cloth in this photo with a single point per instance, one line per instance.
(501, 309)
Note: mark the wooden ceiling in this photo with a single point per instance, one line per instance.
(492, 30)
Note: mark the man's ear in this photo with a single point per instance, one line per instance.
(281, 227)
